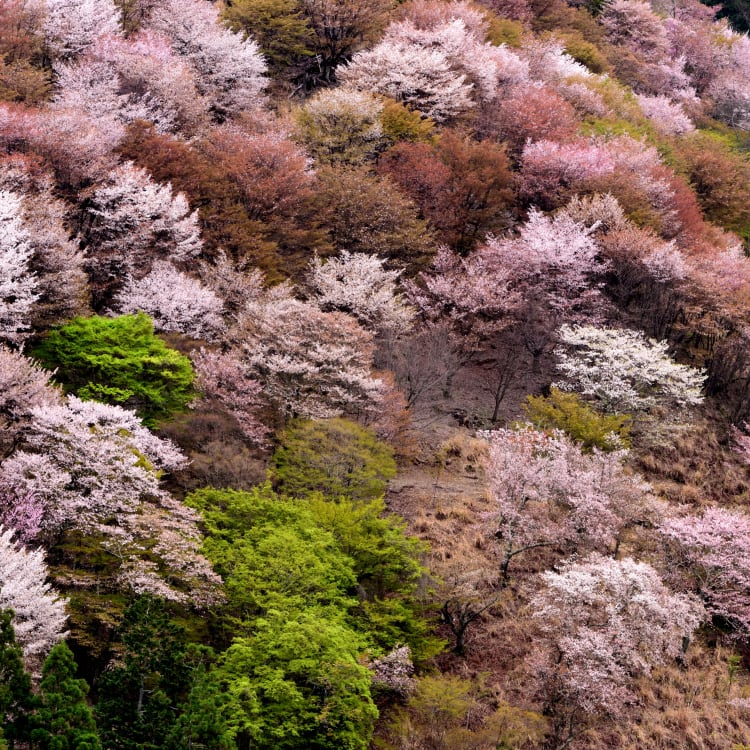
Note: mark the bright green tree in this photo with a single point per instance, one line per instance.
(335, 457)
(64, 720)
(16, 699)
(296, 683)
(279, 554)
(119, 361)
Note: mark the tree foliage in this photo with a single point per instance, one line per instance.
(623, 370)
(64, 720)
(119, 361)
(334, 457)
(583, 424)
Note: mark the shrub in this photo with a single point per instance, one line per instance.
(335, 457)
(119, 361)
(568, 412)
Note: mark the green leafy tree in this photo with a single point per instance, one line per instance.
(296, 683)
(277, 554)
(16, 699)
(335, 457)
(571, 414)
(139, 700)
(280, 28)
(119, 361)
(64, 720)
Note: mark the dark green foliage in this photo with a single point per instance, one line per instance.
(119, 361)
(736, 11)
(202, 724)
(281, 29)
(335, 457)
(139, 699)
(569, 413)
(64, 720)
(16, 700)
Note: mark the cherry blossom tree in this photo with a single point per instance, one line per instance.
(311, 363)
(23, 386)
(549, 493)
(530, 111)
(357, 284)
(174, 301)
(549, 169)
(17, 283)
(607, 622)
(713, 546)
(438, 62)
(633, 24)
(235, 283)
(71, 26)
(56, 262)
(160, 553)
(460, 34)
(78, 147)
(228, 380)
(732, 103)
(96, 468)
(474, 293)
(130, 221)
(135, 79)
(420, 77)
(229, 69)
(38, 612)
(668, 117)
(22, 512)
(395, 671)
(89, 462)
(647, 275)
(547, 61)
(623, 370)
(631, 170)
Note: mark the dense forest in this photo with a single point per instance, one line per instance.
(374, 374)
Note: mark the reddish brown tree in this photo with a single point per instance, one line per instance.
(531, 111)
(462, 187)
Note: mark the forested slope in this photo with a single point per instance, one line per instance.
(374, 375)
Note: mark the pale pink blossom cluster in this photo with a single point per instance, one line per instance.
(610, 621)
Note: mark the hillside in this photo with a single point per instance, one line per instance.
(374, 375)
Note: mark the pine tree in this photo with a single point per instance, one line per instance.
(16, 700)
(64, 720)
(138, 699)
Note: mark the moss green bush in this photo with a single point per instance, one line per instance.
(569, 413)
(119, 361)
(335, 457)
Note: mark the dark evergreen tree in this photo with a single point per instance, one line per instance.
(64, 720)
(16, 700)
(140, 699)
(201, 723)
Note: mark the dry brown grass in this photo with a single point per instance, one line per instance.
(693, 461)
(446, 502)
(687, 708)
